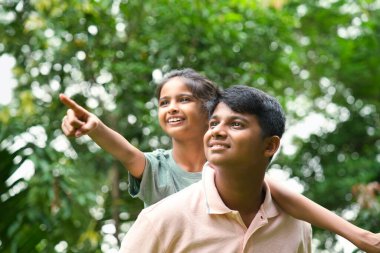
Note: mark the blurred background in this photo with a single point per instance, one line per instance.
(320, 58)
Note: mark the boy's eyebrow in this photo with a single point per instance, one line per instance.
(233, 117)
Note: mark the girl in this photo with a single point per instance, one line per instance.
(182, 95)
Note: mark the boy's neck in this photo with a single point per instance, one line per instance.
(243, 194)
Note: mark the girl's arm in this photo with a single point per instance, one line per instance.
(78, 121)
(304, 209)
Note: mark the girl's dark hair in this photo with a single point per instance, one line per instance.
(201, 87)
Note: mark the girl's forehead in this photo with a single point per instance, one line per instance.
(175, 86)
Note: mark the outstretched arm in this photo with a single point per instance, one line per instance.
(78, 121)
(303, 208)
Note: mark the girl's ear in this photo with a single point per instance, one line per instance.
(271, 145)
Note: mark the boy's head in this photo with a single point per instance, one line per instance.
(245, 127)
(244, 99)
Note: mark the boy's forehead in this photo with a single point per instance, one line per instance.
(223, 109)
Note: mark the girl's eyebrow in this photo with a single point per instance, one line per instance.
(162, 98)
(185, 94)
(178, 95)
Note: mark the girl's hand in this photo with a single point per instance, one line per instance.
(371, 243)
(77, 121)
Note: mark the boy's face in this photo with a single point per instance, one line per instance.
(234, 139)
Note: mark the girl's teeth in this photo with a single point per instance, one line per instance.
(174, 120)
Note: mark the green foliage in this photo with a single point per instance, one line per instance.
(103, 54)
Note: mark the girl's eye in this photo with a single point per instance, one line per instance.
(163, 102)
(184, 99)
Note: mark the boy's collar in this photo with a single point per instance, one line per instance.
(215, 205)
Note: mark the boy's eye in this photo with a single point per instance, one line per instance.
(213, 124)
(236, 124)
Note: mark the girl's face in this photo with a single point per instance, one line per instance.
(180, 114)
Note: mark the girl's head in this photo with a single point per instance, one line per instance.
(201, 87)
(182, 97)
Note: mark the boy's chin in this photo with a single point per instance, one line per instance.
(218, 161)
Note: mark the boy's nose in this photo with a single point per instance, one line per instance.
(218, 131)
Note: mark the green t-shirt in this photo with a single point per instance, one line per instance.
(162, 177)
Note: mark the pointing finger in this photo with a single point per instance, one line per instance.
(72, 105)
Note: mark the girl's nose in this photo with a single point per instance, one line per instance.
(173, 108)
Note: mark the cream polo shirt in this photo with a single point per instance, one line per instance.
(196, 220)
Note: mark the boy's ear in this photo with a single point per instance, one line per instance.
(271, 145)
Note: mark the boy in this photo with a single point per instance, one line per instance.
(230, 209)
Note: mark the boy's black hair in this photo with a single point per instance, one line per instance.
(244, 99)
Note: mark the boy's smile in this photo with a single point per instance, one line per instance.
(218, 146)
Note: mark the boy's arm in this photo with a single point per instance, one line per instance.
(302, 208)
(78, 121)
